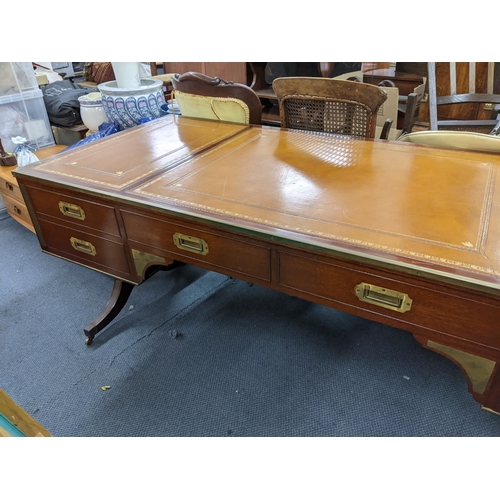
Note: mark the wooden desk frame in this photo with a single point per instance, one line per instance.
(129, 232)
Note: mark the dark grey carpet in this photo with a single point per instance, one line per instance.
(195, 353)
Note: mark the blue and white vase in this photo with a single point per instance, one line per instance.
(126, 107)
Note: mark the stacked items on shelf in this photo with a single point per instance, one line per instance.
(22, 114)
(22, 110)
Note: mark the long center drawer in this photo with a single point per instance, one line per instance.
(208, 248)
(406, 300)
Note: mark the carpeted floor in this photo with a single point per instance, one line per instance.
(195, 353)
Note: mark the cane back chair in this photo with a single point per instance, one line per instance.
(329, 105)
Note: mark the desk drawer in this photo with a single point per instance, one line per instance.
(221, 251)
(84, 248)
(433, 307)
(69, 208)
(16, 208)
(8, 188)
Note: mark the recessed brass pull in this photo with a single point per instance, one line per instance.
(71, 210)
(83, 246)
(390, 299)
(190, 243)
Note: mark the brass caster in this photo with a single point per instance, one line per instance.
(88, 341)
(490, 410)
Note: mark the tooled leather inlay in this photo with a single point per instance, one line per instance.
(312, 185)
(160, 146)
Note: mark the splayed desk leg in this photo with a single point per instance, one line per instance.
(119, 296)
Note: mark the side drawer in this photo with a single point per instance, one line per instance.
(84, 248)
(192, 245)
(70, 208)
(432, 306)
(10, 189)
(16, 208)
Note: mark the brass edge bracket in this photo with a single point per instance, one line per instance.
(142, 259)
(478, 369)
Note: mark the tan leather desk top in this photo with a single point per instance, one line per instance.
(425, 208)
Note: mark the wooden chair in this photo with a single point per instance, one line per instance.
(455, 139)
(329, 105)
(461, 97)
(411, 112)
(200, 96)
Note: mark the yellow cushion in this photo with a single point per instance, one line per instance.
(455, 139)
(164, 78)
(227, 109)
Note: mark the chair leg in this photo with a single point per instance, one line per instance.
(496, 129)
(431, 69)
(386, 129)
(411, 108)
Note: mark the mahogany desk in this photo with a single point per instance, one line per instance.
(401, 234)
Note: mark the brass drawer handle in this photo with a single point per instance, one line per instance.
(9, 186)
(71, 210)
(17, 210)
(83, 246)
(390, 299)
(190, 243)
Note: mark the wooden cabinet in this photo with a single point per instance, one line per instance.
(13, 199)
(405, 82)
(11, 194)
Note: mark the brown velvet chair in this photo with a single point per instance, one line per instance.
(329, 105)
(200, 96)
